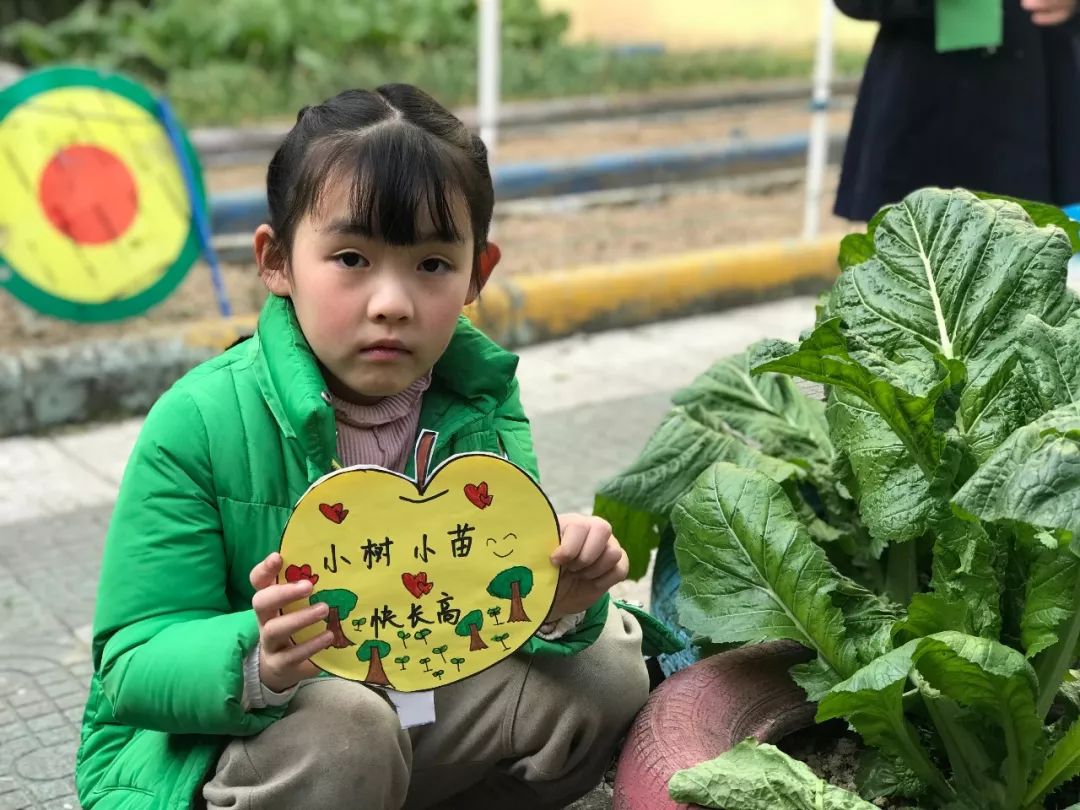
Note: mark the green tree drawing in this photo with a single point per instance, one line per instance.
(471, 625)
(403, 636)
(424, 663)
(341, 603)
(440, 651)
(494, 612)
(374, 650)
(514, 584)
(403, 661)
(421, 635)
(501, 639)
(457, 662)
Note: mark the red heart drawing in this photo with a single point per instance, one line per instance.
(295, 573)
(478, 495)
(335, 513)
(417, 584)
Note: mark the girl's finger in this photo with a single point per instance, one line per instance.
(265, 573)
(299, 653)
(596, 542)
(616, 575)
(270, 600)
(608, 560)
(278, 632)
(573, 538)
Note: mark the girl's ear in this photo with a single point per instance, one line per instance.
(487, 261)
(271, 262)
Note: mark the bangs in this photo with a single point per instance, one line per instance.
(403, 184)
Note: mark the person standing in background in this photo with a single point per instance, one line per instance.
(1004, 120)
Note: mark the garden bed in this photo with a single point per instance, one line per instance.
(689, 219)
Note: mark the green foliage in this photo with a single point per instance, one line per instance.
(759, 777)
(763, 423)
(227, 60)
(472, 619)
(747, 558)
(372, 647)
(949, 350)
(501, 586)
(343, 600)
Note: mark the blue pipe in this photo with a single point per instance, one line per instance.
(242, 211)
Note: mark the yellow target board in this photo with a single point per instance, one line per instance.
(427, 581)
(97, 221)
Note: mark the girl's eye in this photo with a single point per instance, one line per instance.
(435, 265)
(351, 259)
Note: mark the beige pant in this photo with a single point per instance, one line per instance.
(531, 732)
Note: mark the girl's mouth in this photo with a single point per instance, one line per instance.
(385, 350)
(383, 353)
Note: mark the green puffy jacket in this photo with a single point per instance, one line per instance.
(210, 484)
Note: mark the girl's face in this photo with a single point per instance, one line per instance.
(377, 316)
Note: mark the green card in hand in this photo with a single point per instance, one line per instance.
(964, 24)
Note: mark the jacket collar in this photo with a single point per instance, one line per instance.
(472, 377)
(293, 386)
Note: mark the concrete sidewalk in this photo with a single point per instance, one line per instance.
(593, 401)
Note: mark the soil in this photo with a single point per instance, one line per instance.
(832, 752)
(534, 237)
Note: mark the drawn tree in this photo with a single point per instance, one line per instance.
(424, 663)
(514, 584)
(421, 635)
(470, 626)
(403, 661)
(403, 635)
(457, 662)
(440, 651)
(341, 603)
(438, 674)
(374, 650)
(501, 639)
(494, 612)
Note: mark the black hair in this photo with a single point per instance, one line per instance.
(407, 157)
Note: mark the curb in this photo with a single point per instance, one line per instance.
(523, 310)
(243, 211)
(41, 389)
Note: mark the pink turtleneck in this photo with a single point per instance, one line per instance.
(381, 434)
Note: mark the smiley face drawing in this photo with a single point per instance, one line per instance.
(504, 548)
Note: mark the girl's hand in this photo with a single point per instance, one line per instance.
(1049, 12)
(283, 664)
(591, 560)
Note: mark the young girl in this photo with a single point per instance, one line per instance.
(380, 204)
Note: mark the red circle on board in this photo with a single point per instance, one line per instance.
(88, 194)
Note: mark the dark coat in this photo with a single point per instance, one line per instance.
(1005, 121)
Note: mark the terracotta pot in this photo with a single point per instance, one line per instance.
(704, 710)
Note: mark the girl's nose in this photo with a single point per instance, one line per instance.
(390, 301)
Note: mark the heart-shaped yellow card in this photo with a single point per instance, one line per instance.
(428, 581)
